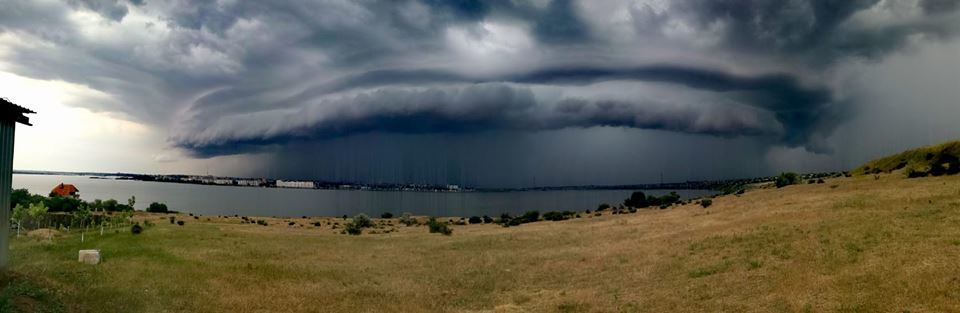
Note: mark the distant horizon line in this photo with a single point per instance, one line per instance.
(703, 184)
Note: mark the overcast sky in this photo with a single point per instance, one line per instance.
(486, 93)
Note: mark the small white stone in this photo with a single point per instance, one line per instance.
(90, 256)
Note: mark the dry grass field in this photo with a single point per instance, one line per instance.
(856, 244)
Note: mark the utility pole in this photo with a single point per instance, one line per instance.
(10, 115)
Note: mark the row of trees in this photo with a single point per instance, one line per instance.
(30, 210)
(69, 204)
(640, 200)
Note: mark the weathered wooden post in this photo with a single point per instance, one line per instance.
(10, 115)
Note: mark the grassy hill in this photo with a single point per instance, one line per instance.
(936, 160)
(851, 244)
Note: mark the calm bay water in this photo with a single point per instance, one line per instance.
(230, 200)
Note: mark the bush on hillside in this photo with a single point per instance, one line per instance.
(407, 219)
(438, 227)
(475, 220)
(362, 221)
(786, 179)
(487, 219)
(558, 216)
(637, 200)
(945, 164)
(529, 217)
(386, 215)
(706, 203)
(670, 198)
(601, 207)
(553, 216)
(353, 229)
(157, 207)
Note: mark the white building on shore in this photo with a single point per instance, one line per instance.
(249, 182)
(295, 184)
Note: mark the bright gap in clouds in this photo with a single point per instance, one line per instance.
(68, 138)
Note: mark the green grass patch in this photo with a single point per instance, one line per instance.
(19, 294)
(710, 270)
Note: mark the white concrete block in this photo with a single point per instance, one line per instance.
(90, 256)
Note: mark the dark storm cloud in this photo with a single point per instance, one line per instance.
(818, 32)
(561, 24)
(242, 76)
(939, 6)
(466, 109)
(803, 112)
(110, 9)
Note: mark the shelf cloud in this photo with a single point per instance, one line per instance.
(239, 77)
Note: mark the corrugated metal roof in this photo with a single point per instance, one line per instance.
(13, 112)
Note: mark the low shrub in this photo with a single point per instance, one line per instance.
(706, 203)
(786, 179)
(438, 227)
(353, 229)
(558, 216)
(913, 173)
(554, 216)
(475, 220)
(362, 221)
(386, 215)
(529, 217)
(157, 208)
(487, 219)
(180, 223)
(407, 219)
(637, 199)
(601, 207)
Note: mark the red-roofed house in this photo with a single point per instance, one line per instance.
(65, 190)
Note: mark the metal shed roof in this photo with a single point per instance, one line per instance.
(10, 111)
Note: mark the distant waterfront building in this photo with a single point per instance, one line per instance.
(250, 182)
(295, 184)
(65, 191)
